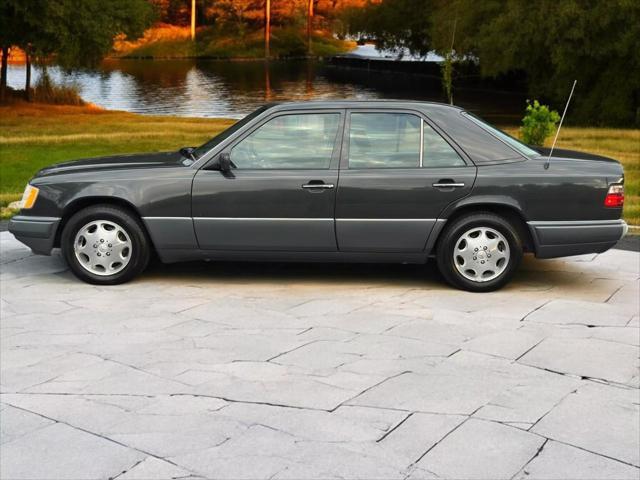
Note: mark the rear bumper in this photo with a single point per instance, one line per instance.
(37, 233)
(562, 239)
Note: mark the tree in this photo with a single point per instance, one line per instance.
(396, 25)
(267, 27)
(552, 42)
(309, 25)
(76, 32)
(193, 20)
(9, 28)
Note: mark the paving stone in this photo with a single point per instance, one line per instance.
(558, 461)
(438, 390)
(94, 414)
(62, 452)
(480, 449)
(599, 419)
(509, 344)
(15, 423)
(418, 433)
(580, 313)
(153, 468)
(372, 367)
(525, 403)
(614, 362)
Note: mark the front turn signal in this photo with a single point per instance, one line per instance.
(29, 197)
(615, 196)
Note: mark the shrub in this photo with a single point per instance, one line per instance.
(538, 123)
(46, 91)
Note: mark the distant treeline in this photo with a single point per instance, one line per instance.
(243, 15)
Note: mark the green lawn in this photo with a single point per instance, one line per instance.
(33, 136)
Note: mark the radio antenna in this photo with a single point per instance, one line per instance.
(546, 164)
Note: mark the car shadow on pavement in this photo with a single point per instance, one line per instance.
(531, 275)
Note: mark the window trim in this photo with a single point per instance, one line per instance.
(337, 142)
(344, 160)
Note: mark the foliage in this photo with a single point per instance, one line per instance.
(77, 32)
(166, 41)
(46, 91)
(538, 123)
(396, 25)
(593, 41)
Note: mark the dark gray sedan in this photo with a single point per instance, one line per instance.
(374, 181)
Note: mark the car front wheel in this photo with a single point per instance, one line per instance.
(479, 252)
(105, 245)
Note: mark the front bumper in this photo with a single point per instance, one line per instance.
(37, 233)
(562, 239)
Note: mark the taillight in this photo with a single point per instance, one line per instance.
(615, 196)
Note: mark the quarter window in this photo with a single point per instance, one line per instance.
(437, 152)
(300, 141)
(384, 140)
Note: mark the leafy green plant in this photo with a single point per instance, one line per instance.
(538, 123)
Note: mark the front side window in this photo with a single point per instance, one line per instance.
(296, 141)
(384, 140)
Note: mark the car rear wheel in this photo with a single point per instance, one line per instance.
(105, 245)
(479, 252)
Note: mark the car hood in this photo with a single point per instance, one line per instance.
(117, 162)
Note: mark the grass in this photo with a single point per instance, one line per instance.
(33, 136)
(170, 41)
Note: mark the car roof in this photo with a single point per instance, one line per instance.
(372, 103)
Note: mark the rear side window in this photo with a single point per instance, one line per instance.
(384, 140)
(397, 140)
(297, 141)
(481, 146)
(437, 152)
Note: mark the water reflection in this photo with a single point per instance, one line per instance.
(233, 89)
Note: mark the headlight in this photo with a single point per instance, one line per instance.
(29, 197)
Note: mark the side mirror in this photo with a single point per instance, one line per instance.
(224, 163)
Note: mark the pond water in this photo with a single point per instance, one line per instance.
(232, 89)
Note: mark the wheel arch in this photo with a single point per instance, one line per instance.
(509, 210)
(80, 203)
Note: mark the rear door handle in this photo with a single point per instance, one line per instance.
(442, 184)
(323, 186)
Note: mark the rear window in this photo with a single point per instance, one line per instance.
(478, 142)
(505, 137)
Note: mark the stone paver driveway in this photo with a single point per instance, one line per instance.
(320, 371)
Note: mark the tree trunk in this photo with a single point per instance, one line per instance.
(267, 27)
(27, 84)
(193, 20)
(3, 73)
(309, 25)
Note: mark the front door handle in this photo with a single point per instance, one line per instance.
(323, 186)
(448, 184)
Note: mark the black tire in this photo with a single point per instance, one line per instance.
(452, 235)
(129, 222)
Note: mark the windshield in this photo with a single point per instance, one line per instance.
(505, 137)
(204, 148)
